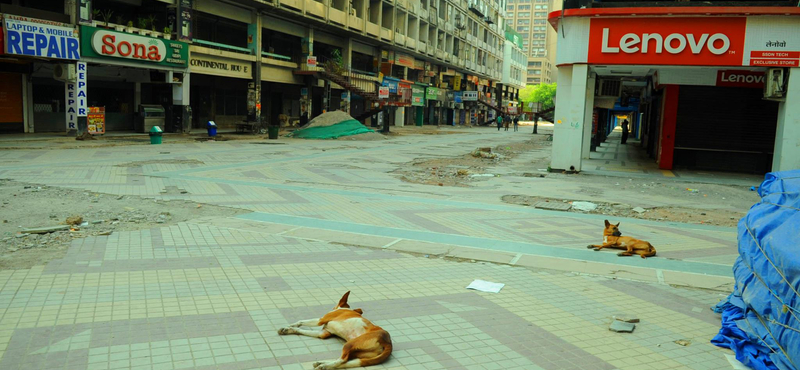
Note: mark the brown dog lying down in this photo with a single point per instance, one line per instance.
(367, 344)
(612, 238)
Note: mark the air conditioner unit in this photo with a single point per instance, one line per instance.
(64, 72)
(775, 84)
(609, 88)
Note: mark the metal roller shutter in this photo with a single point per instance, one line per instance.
(723, 128)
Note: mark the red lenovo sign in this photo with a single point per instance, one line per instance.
(734, 78)
(667, 41)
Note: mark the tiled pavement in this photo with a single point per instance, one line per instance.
(209, 294)
(213, 299)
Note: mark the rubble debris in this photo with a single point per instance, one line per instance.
(485, 286)
(621, 327)
(45, 230)
(626, 318)
(584, 206)
(639, 210)
(74, 220)
(683, 342)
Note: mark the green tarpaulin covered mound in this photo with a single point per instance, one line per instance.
(331, 125)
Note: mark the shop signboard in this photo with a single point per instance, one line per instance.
(218, 66)
(432, 93)
(716, 41)
(391, 84)
(512, 110)
(311, 61)
(96, 120)
(39, 38)
(457, 97)
(185, 16)
(404, 60)
(383, 92)
(740, 78)
(101, 43)
(417, 96)
(457, 82)
(469, 96)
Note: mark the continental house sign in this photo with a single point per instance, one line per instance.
(102, 43)
(220, 66)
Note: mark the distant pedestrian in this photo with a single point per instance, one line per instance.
(624, 131)
(499, 122)
(516, 123)
(507, 122)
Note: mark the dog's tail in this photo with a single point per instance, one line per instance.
(650, 252)
(386, 341)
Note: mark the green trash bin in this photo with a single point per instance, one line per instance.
(273, 132)
(155, 135)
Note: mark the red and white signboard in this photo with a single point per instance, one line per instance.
(383, 92)
(763, 41)
(734, 78)
(668, 41)
(129, 46)
(311, 61)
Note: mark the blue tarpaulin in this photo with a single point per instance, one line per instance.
(761, 318)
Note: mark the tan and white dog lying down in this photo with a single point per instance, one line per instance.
(367, 344)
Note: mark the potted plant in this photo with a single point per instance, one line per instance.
(106, 14)
(96, 17)
(152, 20)
(120, 25)
(167, 33)
(142, 25)
(129, 27)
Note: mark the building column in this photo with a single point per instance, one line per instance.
(570, 117)
(27, 104)
(347, 60)
(787, 137)
(254, 88)
(588, 116)
(669, 119)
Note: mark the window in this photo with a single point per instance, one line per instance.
(510, 7)
(523, 21)
(538, 35)
(510, 22)
(537, 71)
(539, 14)
(524, 15)
(541, 7)
(523, 29)
(540, 21)
(535, 64)
(524, 36)
(540, 28)
(524, 7)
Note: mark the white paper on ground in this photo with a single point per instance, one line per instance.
(735, 363)
(485, 286)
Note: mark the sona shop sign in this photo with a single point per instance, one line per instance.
(670, 41)
(39, 38)
(102, 43)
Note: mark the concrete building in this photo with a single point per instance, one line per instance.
(249, 60)
(514, 69)
(529, 19)
(704, 87)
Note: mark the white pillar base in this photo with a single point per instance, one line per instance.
(787, 138)
(570, 115)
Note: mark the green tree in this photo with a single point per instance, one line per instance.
(542, 93)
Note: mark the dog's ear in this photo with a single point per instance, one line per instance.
(607, 223)
(360, 311)
(343, 301)
(617, 224)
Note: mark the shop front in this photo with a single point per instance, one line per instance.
(219, 86)
(418, 103)
(434, 106)
(710, 90)
(30, 50)
(128, 74)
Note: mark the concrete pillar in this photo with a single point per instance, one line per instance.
(27, 104)
(137, 96)
(669, 120)
(347, 60)
(787, 137)
(587, 117)
(254, 44)
(570, 115)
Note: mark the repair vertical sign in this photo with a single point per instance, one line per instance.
(76, 97)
